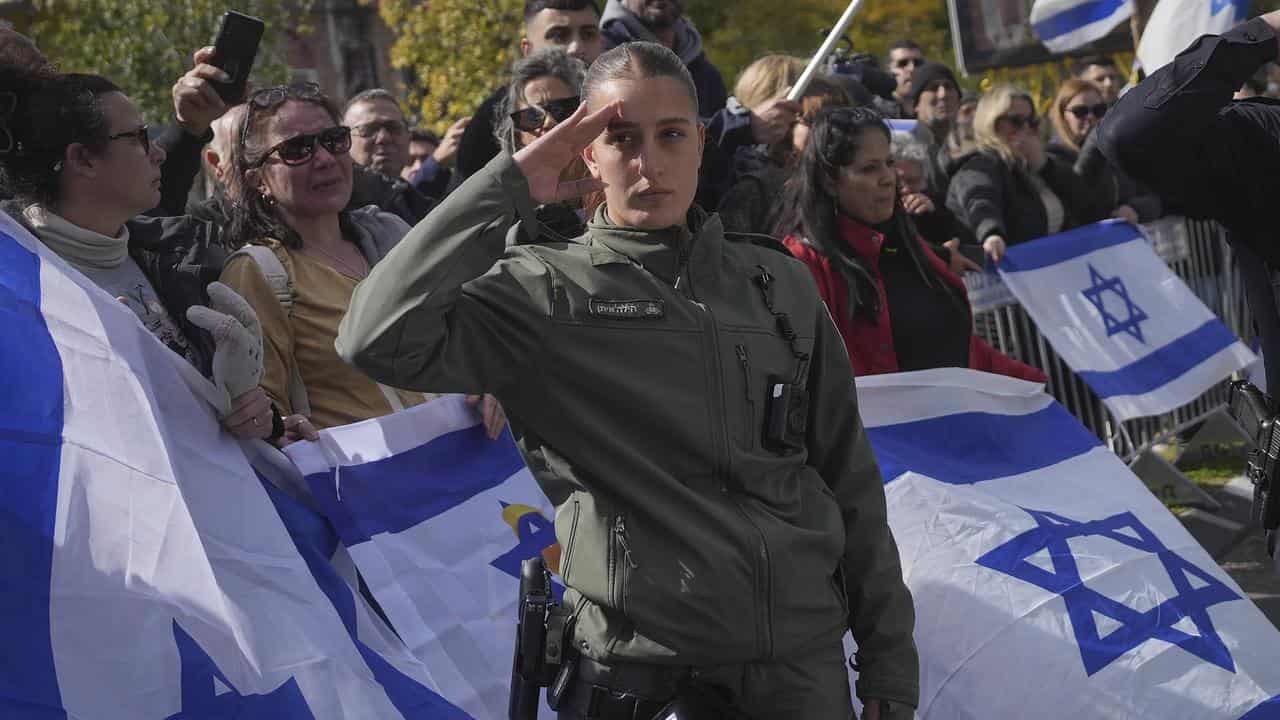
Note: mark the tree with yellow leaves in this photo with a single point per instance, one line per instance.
(750, 28)
(457, 49)
(145, 46)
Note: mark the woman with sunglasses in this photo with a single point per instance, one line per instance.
(705, 548)
(1011, 189)
(77, 158)
(543, 92)
(1076, 112)
(292, 180)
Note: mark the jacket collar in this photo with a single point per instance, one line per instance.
(698, 242)
(618, 20)
(864, 240)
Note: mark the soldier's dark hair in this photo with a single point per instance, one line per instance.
(636, 60)
(41, 114)
(834, 142)
(533, 7)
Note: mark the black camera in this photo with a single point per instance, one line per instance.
(787, 419)
(1253, 410)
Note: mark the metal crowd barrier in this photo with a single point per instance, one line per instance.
(1197, 253)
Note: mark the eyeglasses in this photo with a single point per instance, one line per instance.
(394, 128)
(912, 61)
(1020, 121)
(533, 117)
(1083, 111)
(299, 149)
(140, 135)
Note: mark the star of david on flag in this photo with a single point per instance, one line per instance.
(1196, 589)
(1139, 337)
(1096, 294)
(1048, 582)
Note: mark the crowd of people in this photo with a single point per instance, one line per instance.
(611, 143)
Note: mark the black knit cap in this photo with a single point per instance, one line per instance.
(926, 74)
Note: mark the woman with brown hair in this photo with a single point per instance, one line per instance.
(293, 179)
(1077, 110)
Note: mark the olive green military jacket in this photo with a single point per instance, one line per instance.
(634, 366)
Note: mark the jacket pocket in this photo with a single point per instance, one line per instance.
(621, 563)
(570, 541)
(749, 417)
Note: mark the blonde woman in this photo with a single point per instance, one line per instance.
(1011, 190)
(1077, 110)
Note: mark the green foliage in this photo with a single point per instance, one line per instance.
(458, 49)
(144, 46)
(738, 33)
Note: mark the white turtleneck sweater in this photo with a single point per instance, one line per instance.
(105, 260)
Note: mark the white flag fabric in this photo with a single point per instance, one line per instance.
(146, 572)
(1120, 318)
(438, 519)
(1175, 24)
(1064, 25)
(1048, 581)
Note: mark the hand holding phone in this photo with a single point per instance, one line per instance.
(234, 50)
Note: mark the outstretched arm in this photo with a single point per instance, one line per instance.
(443, 311)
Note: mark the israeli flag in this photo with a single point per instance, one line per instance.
(1048, 581)
(147, 573)
(1121, 319)
(1064, 25)
(438, 518)
(1175, 24)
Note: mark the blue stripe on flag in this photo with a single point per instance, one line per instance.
(31, 445)
(1075, 18)
(1266, 710)
(1164, 365)
(991, 445)
(411, 698)
(409, 488)
(1054, 249)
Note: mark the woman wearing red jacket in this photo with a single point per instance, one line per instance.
(896, 304)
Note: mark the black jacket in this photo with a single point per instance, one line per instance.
(1111, 186)
(1207, 156)
(995, 199)
(478, 146)
(392, 195)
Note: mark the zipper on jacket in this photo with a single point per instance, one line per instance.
(622, 569)
(745, 362)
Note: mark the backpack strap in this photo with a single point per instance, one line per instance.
(278, 280)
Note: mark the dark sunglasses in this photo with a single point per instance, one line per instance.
(532, 117)
(299, 149)
(903, 62)
(140, 135)
(394, 128)
(1020, 121)
(1083, 111)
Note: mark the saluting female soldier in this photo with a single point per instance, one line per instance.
(685, 402)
